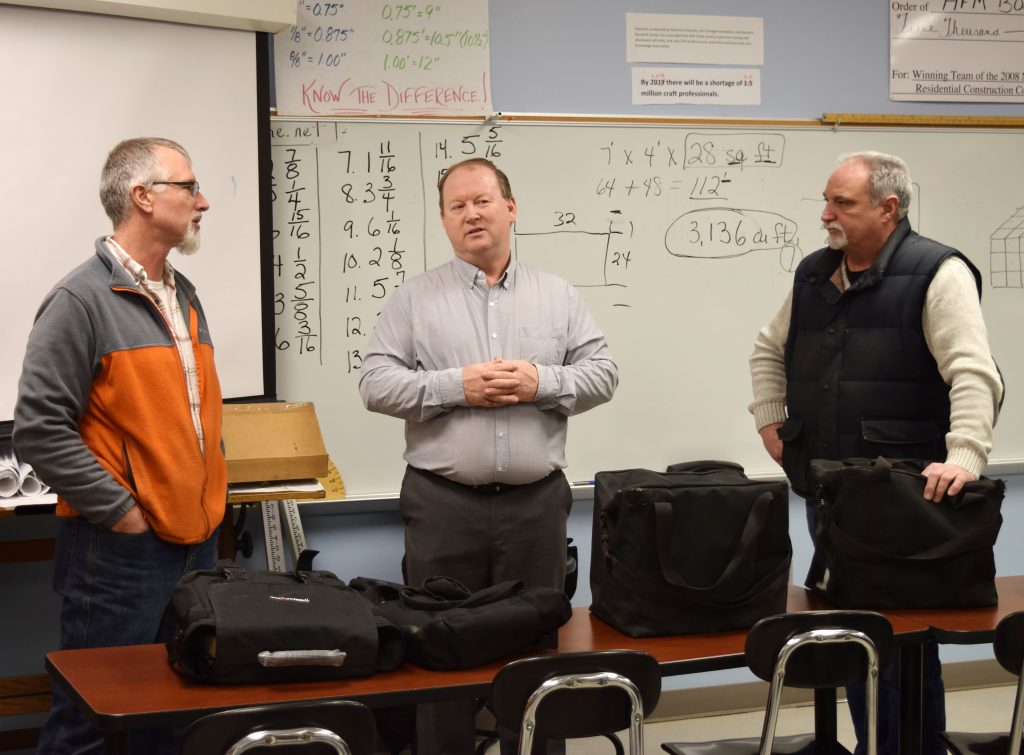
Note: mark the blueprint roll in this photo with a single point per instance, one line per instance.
(28, 481)
(9, 478)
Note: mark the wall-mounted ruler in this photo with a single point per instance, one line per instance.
(884, 119)
(279, 516)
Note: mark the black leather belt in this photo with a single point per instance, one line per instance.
(494, 488)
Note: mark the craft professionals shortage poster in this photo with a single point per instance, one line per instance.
(368, 57)
(714, 40)
(956, 50)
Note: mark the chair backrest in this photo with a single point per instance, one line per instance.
(1009, 642)
(218, 733)
(817, 665)
(1009, 650)
(581, 710)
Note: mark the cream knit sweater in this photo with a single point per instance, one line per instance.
(956, 336)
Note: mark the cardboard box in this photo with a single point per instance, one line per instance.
(274, 441)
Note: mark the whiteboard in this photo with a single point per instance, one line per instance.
(682, 239)
(75, 84)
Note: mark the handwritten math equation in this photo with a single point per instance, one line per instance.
(355, 215)
(705, 167)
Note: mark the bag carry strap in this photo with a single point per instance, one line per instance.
(963, 498)
(231, 571)
(706, 465)
(880, 469)
(756, 521)
(423, 600)
(670, 595)
(445, 588)
(303, 571)
(975, 540)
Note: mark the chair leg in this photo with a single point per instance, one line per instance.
(825, 728)
(616, 743)
(486, 742)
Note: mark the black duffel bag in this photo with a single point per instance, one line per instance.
(879, 544)
(234, 625)
(448, 627)
(699, 548)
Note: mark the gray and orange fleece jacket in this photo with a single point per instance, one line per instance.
(103, 411)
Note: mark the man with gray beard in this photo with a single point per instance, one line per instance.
(119, 411)
(880, 350)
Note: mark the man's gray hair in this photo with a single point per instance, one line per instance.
(130, 163)
(888, 174)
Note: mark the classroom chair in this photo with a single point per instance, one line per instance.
(572, 695)
(331, 726)
(1009, 650)
(810, 650)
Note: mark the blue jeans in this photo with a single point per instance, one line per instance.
(114, 589)
(933, 698)
(933, 707)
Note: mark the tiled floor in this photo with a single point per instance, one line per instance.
(987, 709)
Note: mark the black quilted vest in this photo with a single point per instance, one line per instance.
(860, 379)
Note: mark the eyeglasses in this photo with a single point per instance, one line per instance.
(192, 187)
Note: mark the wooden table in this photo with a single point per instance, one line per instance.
(970, 626)
(960, 626)
(124, 688)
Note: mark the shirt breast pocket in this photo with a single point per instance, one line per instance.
(541, 345)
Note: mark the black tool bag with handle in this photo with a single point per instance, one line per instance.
(234, 625)
(698, 548)
(879, 544)
(447, 626)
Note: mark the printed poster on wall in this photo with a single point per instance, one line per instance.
(956, 50)
(381, 58)
(706, 40)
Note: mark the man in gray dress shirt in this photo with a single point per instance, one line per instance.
(484, 358)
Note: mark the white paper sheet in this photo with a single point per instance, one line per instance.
(29, 482)
(8, 476)
(703, 86)
(714, 40)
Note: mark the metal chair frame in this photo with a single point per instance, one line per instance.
(1017, 723)
(825, 637)
(819, 650)
(344, 727)
(599, 680)
(563, 696)
(289, 737)
(1007, 643)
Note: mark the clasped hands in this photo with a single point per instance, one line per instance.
(499, 382)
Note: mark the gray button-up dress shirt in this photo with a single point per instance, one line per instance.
(447, 318)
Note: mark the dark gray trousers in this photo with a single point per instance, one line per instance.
(479, 536)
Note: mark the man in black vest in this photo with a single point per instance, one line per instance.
(880, 350)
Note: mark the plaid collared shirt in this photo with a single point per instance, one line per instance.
(164, 296)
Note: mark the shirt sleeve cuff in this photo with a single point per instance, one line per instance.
(967, 458)
(547, 384)
(450, 389)
(770, 413)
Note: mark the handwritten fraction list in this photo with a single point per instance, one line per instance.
(375, 57)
